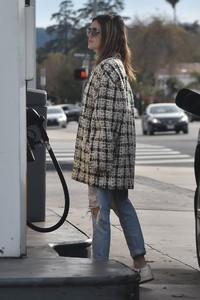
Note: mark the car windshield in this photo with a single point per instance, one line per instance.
(164, 109)
(54, 110)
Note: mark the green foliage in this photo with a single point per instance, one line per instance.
(173, 85)
(70, 24)
(144, 84)
(63, 29)
(60, 77)
(69, 37)
(157, 47)
(196, 83)
(156, 44)
(86, 13)
(192, 28)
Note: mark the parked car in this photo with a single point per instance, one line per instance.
(136, 114)
(164, 117)
(72, 111)
(56, 116)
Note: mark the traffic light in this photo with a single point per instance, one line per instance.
(80, 74)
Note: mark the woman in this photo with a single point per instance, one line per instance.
(105, 144)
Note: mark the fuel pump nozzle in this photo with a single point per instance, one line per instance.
(36, 120)
(33, 118)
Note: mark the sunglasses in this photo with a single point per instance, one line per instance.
(92, 31)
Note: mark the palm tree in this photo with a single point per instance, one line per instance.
(173, 3)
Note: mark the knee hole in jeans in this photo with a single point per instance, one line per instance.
(94, 211)
(97, 215)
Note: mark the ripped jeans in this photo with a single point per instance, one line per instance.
(100, 203)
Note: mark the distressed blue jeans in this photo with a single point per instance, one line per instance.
(104, 200)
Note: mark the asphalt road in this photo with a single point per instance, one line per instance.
(163, 197)
(185, 143)
(161, 149)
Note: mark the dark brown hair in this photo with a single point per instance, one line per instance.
(114, 41)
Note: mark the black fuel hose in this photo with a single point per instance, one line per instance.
(66, 195)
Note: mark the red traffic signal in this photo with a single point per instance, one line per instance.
(80, 74)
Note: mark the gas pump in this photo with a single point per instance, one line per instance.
(35, 122)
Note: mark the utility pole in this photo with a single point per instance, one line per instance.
(95, 8)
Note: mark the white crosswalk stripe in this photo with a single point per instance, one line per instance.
(62, 155)
(151, 154)
(145, 155)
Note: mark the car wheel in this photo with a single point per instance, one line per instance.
(185, 130)
(144, 131)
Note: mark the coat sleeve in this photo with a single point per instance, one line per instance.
(106, 121)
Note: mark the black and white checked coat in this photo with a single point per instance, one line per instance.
(105, 144)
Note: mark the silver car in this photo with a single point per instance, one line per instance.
(56, 116)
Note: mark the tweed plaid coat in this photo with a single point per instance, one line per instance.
(105, 143)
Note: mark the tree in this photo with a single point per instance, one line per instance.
(69, 31)
(158, 46)
(196, 83)
(85, 14)
(173, 85)
(155, 43)
(60, 81)
(173, 3)
(63, 29)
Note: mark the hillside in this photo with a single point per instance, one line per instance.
(42, 37)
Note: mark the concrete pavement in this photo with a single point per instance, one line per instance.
(163, 197)
(58, 265)
(164, 200)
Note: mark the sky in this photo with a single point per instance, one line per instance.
(186, 10)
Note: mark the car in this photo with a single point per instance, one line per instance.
(161, 117)
(136, 114)
(56, 116)
(72, 111)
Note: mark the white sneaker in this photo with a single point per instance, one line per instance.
(145, 273)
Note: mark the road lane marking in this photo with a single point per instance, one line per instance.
(145, 154)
